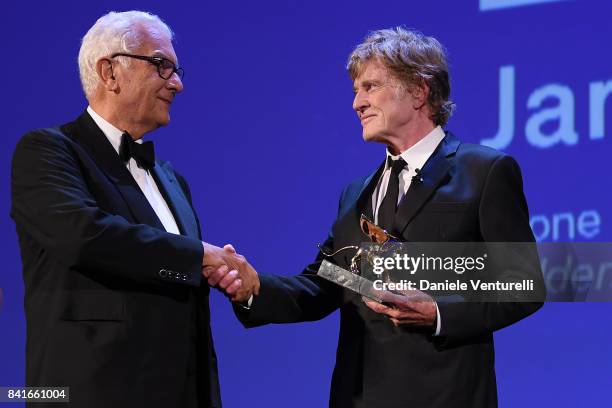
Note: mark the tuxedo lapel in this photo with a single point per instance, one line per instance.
(357, 200)
(363, 204)
(87, 134)
(173, 194)
(433, 174)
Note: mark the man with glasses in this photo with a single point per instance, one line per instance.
(116, 303)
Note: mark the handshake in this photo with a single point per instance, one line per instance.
(230, 272)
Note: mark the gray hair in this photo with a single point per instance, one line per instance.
(414, 59)
(112, 33)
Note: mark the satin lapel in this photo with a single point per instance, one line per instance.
(173, 194)
(357, 200)
(363, 203)
(433, 173)
(88, 135)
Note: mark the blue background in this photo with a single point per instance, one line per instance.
(265, 133)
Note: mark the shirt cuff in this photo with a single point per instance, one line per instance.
(246, 305)
(438, 320)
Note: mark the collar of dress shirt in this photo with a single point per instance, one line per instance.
(417, 155)
(111, 132)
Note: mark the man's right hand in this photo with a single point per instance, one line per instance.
(229, 271)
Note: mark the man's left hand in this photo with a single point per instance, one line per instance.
(414, 308)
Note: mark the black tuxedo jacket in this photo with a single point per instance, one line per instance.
(469, 193)
(114, 306)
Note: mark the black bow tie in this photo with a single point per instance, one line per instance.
(142, 153)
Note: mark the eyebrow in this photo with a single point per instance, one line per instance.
(368, 82)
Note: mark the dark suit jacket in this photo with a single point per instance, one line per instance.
(114, 306)
(469, 193)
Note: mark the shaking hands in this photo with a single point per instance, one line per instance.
(230, 272)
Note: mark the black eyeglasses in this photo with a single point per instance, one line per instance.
(165, 67)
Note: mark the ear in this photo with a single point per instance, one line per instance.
(420, 93)
(104, 69)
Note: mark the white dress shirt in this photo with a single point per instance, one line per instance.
(142, 177)
(415, 157)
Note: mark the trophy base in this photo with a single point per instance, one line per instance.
(354, 282)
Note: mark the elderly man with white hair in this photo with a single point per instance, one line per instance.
(115, 298)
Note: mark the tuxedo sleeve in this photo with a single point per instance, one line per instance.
(53, 205)
(292, 299)
(503, 217)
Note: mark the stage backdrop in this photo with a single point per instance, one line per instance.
(265, 134)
